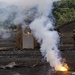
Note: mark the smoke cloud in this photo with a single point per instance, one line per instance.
(21, 10)
(49, 39)
(38, 15)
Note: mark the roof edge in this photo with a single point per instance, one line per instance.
(57, 27)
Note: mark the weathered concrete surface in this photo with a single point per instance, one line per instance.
(39, 70)
(25, 71)
(30, 62)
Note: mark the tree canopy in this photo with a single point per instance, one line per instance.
(64, 11)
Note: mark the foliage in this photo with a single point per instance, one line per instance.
(64, 11)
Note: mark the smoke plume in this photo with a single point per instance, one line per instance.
(38, 15)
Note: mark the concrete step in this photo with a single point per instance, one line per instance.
(67, 41)
(8, 40)
(7, 48)
(8, 44)
(25, 57)
(20, 53)
(66, 47)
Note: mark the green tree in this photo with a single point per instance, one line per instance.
(64, 11)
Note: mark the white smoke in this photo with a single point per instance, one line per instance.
(48, 39)
(38, 14)
(4, 33)
(22, 9)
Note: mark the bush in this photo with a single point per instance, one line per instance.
(64, 12)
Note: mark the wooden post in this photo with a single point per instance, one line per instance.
(19, 37)
(36, 44)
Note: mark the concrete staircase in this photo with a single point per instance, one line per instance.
(21, 57)
(10, 42)
(7, 43)
(29, 57)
